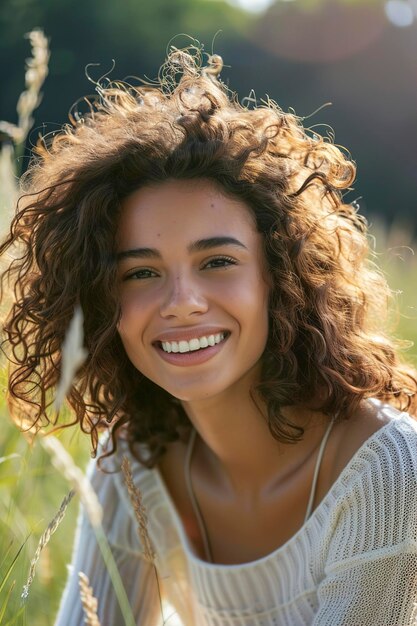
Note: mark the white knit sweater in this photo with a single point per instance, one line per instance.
(353, 563)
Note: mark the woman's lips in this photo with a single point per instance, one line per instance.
(193, 357)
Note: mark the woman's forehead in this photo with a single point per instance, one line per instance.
(180, 208)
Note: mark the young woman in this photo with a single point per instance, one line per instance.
(237, 355)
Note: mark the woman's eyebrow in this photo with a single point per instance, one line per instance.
(214, 242)
(139, 253)
(195, 246)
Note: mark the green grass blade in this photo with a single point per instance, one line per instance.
(3, 608)
(6, 554)
(13, 620)
(10, 568)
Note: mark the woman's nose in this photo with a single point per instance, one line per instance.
(184, 298)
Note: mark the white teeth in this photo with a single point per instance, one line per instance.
(193, 344)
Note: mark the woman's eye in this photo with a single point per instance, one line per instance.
(140, 274)
(220, 261)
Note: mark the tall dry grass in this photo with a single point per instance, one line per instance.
(30, 98)
(88, 600)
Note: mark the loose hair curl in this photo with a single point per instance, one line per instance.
(328, 347)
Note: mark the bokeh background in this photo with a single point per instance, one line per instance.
(358, 55)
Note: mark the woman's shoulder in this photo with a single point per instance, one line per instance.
(380, 479)
(375, 498)
(107, 467)
(390, 433)
(394, 448)
(119, 500)
(360, 445)
(115, 498)
(375, 425)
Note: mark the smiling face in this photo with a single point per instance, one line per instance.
(194, 301)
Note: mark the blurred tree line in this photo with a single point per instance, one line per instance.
(303, 54)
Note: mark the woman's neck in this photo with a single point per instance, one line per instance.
(237, 449)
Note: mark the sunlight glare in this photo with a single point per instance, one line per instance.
(254, 6)
(399, 13)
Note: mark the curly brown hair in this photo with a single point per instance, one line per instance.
(328, 345)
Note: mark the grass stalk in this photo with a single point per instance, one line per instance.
(135, 497)
(88, 600)
(64, 462)
(44, 540)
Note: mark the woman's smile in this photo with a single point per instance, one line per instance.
(194, 344)
(193, 291)
(197, 350)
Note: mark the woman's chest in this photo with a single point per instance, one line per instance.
(237, 530)
(238, 533)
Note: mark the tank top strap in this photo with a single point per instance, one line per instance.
(317, 469)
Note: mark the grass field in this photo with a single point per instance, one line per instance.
(31, 493)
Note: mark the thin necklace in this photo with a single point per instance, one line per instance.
(196, 507)
(191, 494)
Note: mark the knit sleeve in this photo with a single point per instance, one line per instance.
(371, 566)
(137, 575)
